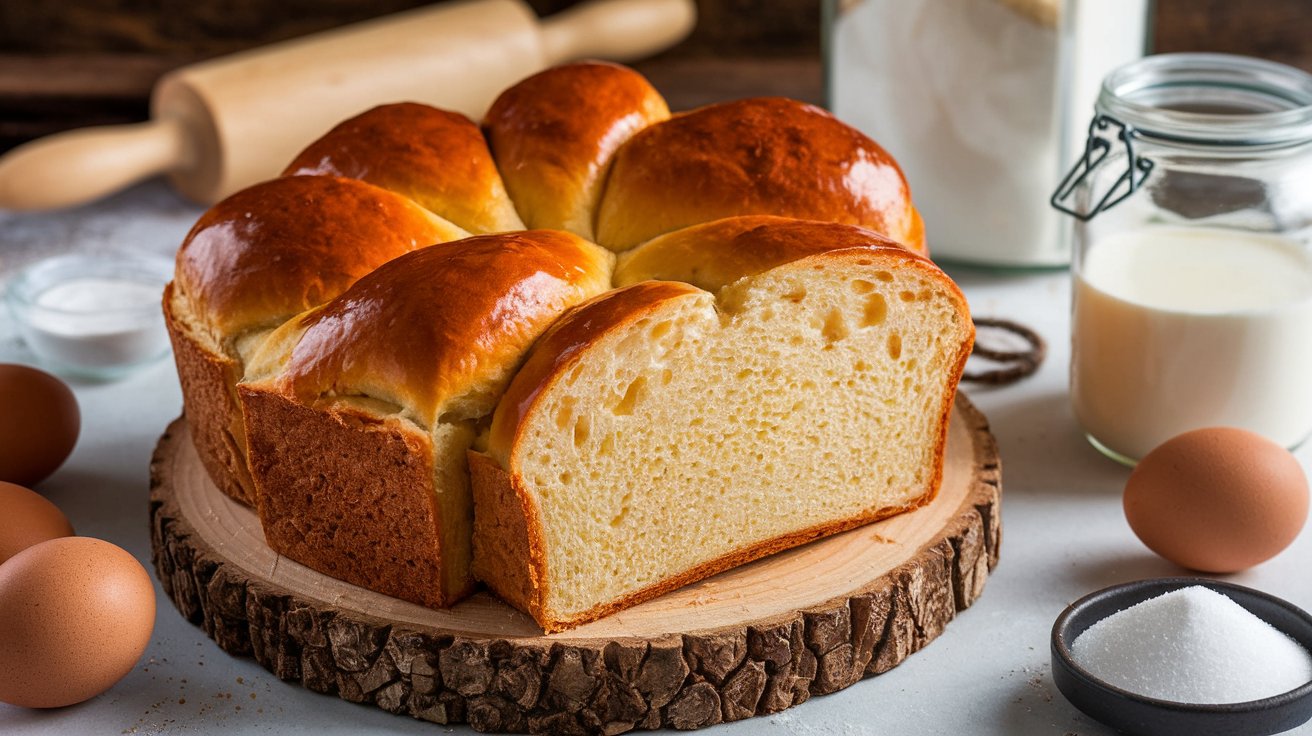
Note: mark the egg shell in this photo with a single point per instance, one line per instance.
(39, 423)
(28, 518)
(77, 613)
(1217, 500)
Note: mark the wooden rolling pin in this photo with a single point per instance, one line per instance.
(220, 125)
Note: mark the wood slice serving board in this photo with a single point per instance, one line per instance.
(750, 641)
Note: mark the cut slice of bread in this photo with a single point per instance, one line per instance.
(660, 433)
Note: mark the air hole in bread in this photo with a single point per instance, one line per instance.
(861, 286)
(563, 416)
(630, 398)
(582, 430)
(895, 346)
(667, 375)
(661, 330)
(884, 276)
(607, 446)
(835, 328)
(796, 294)
(907, 296)
(876, 310)
(624, 510)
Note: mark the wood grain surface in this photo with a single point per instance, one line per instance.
(751, 641)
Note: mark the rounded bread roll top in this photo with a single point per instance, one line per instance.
(715, 254)
(766, 156)
(436, 157)
(554, 135)
(281, 247)
(440, 331)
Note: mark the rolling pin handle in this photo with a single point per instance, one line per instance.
(79, 166)
(620, 30)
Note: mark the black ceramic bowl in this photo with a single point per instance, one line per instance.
(1135, 714)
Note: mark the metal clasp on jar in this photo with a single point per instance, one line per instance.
(1096, 149)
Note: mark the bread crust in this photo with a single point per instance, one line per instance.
(435, 157)
(714, 254)
(369, 516)
(508, 532)
(209, 388)
(281, 247)
(555, 133)
(767, 155)
(444, 324)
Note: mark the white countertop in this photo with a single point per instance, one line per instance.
(1063, 536)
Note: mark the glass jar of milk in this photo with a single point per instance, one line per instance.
(1192, 263)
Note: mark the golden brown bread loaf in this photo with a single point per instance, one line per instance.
(347, 335)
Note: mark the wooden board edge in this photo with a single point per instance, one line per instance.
(681, 681)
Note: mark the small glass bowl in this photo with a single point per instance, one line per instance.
(1132, 713)
(93, 316)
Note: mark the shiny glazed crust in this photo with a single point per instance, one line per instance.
(714, 254)
(763, 156)
(555, 134)
(435, 157)
(281, 247)
(443, 328)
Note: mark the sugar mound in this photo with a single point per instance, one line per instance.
(1192, 645)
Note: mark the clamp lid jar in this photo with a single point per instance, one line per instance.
(1192, 259)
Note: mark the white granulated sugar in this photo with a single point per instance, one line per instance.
(1192, 645)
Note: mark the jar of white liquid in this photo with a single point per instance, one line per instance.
(1192, 264)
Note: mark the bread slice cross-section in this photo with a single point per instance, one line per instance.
(760, 383)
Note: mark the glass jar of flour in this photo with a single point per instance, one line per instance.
(983, 103)
(1192, 265)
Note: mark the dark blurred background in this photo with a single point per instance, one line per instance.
(71, 63)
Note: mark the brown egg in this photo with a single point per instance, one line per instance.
(1217, 500)
(39, 422)
(27, 518)
(76, 613)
